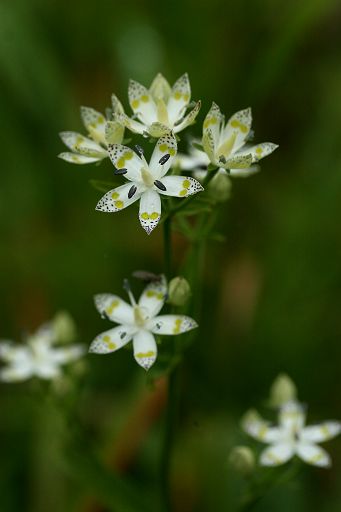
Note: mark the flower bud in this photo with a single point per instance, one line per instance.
(179, 291)
(242, 460)
(64, 327)
(282, 390)
(220, 187)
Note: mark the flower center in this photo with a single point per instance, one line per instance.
(147, 177)
(139, 317)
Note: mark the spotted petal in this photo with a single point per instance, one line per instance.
(117, 199)
(145, 349)
(292, 416)
(277, 454)
(237, 162)
(112, 340)
(117, 107)
(180, 186)
(142, 103)
(259, 429)
(125, 158)
(83, 145)
(150, 210)
(171, 324)
(114, 308)
(159, 164)
(179, 99)
(94, 122)
(322, 432)
(313, 454)
(258, 151)
(114, 132)
(74, 158)
(160, 88)
(188, 119)
(209, 145)
(153, 297)
(131, 124)
(238, 127)
(212, 122)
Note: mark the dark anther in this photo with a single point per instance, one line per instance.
(222, 159)
(132, 191)
(138, 150)
(120, 171)
(164, 159)
(123, 335)
(159, 185)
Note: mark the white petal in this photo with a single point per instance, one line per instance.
(158, 130)
(150, 210)
(313, 454)
(47, 370)
(179, 99)
(131, 124)
(116, 105)
(153, 297)
(142, 103)
(67, 354)
(83, 145)
(125, 158)
(238, 127)
(244, 173)
(145, 349)
(260, 430)
(292, 416)
(166, 145)
(277, 454)
(237, 161)
(94, 122)
(7, 349)
(117, 199)
(114, 132)
(258, 151)
(194, 161)
(188, 119)
(16, 373)
(78, 159)
(116, 309)
(112, 340)
(160, 88)
(180, 186)
(322, 432)
(212, 123)
(172, 324)
(209, 145)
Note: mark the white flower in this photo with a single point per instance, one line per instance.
(291, 437)
(101, 132)
(37, 357)
(146, 181)
(225, 145)
(138, 322)
(159, 108)
(198, 161)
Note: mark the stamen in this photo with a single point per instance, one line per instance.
(222, 159)
(164, 159)
(132, 191)
(138, 150)
(123, 335)
(160, 185)
(120, 171)
(126, 287)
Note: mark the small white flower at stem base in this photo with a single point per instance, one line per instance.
(37, 358)
(146, 182)
(160, 108)
(101, 132)
(291, 437)
(138, 321)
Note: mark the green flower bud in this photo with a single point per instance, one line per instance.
(220, 187)
(179, 291)
(242, 460)
(64, 327)
(282, 390)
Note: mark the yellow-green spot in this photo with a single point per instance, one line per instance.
(240, 126)
(115, 195)
(171, 151)
(177, 326)
(150, 353)
(119, 204)
(145, 98)
(135, 104)
(106, 338)
(163, 148)
(112, 306)
(186, 183)
(111, 345)
(177, 95)
(183, 192)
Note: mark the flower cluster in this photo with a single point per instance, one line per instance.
(161, 112)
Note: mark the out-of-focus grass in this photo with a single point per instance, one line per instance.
(272, 291)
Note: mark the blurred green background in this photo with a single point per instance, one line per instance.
(272, 296)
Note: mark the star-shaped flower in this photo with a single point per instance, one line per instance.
(291, 437)
(160, 108)
(37, 357)
(139, 321)
(226, 145)
(101, 132)
(146, 181)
